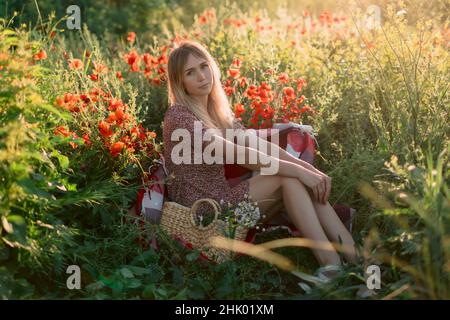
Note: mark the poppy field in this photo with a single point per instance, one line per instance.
(80, 127)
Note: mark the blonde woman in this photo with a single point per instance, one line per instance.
(195, 94)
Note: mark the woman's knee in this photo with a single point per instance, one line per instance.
(263, 186)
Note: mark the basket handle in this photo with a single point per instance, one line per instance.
(213, 203)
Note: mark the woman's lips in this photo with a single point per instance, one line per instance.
(204, 86)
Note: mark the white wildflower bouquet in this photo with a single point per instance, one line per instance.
(245, 214)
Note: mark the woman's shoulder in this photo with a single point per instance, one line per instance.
(175, 110)
(179, 115)
(178, 107)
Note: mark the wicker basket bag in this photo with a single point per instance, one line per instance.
(180, 220)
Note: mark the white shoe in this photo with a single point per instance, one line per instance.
(328, 272)
(364, 292)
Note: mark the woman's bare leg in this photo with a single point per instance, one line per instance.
(335, 229)
(299, 206)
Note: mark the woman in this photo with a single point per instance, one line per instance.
(196, 94)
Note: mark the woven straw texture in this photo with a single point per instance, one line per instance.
(180, 220)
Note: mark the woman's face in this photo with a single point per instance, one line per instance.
(197, 76)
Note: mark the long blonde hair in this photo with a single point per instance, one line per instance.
(218, 114)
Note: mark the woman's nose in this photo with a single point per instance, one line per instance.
(201, 76)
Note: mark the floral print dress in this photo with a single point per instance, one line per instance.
(190, 182)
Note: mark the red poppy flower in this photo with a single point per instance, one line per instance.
(283, 78)
(161, 70)
(229, 90)
(300, 100)
(119, 75)
(236, 63)
(131, 37)
(132, 58)
(104, 129)
(120, 115)
(202, 20)
(75, 64)
(61, 130)
(306, 108)
(100, 68)
(116, 148)
(86, 139)
(94, 77)
(233, 73)
(41, 55)
(251, 92)
(163, 59)
(268, 112)
(243, 81)
(148, 59)
(265, 86)
(134, 67)
(289, 92)
(156, 81)
(301, 83)
(111, 118)
(114, 103)
(238, 110)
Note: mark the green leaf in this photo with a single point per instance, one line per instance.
(63, 160)
(182, 295)
(31, 188)
(95, 286)
(161, 292)
(55, 111)
(126, 273)
(149, 291)
(133, 283)
(139, 271)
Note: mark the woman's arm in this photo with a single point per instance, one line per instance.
(319, 184)
(262, 160)
(283, 154)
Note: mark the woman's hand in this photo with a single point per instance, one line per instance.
(319, 184)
